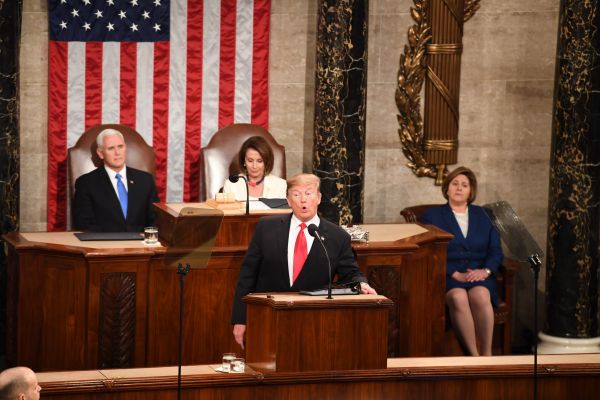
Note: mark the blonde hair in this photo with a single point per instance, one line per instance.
(106, 133)
(302, 180)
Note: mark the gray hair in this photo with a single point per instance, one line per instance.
(106, 133)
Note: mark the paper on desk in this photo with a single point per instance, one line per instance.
(257, 205)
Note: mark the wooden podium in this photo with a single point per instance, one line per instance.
(298, 333)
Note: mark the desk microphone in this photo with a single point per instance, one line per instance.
(314, 232)
(234, 179)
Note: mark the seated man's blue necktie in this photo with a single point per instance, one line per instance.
(122, 194)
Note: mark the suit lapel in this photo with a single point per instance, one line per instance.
(282, 232)
(315, 249)
(132, 191)
(450, 222)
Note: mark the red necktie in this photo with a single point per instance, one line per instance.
(300, 252)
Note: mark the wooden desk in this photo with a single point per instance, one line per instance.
(291, 332)
(89, 305)
(567, 376)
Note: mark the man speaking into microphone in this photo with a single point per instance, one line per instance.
(281, 256)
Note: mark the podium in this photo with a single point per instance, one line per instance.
(289, 332)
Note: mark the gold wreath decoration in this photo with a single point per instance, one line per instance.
(411, 75)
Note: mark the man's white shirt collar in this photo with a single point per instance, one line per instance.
(112, 175)
(314, 220)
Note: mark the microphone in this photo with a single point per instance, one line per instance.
(314, 232)
(234, 179)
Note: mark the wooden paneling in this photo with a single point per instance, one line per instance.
(411, 273)
(208, 300)
(459, 378)
(50, 310)
(295, 333)
(58, 319)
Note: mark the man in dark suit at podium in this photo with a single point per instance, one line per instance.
(283, 256)
(114, 197)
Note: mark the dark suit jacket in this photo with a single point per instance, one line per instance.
(480, 249)
(265, 267)
(96, 206)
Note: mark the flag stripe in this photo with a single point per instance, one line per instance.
(58, 53)
(210, 71)
(260, 64)
(128, 83)
(144, 91)
(227, 62)
(93, 84)
(111, 82)
(161, 115)
(174, 70)
(193, 117)
(177, 84)
(243, 59)
(76, 92)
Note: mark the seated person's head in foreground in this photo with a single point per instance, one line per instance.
(111, 149)
(256, 158)
(19, 383)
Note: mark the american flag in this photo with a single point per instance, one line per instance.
(174, 70)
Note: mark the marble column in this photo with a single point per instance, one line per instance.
(572, 273)
(10, 28)
(340, 108)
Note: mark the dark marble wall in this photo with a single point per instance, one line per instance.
(10, 27)
(574, 216)
(340, 107)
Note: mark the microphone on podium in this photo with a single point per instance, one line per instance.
(234, 179)
(313, 230)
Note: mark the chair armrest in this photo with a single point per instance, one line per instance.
(505, 280)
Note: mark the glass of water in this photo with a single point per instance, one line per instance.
(151, 235)
(227, 361)
(237, 365)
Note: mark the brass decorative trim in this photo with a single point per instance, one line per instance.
(453, 8)
(444, 48)
(411, 75)
(438, 144)
(450, 100)
(471, 7)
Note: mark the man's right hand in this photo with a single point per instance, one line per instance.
(238, 333)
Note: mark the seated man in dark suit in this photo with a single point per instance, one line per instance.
(282, 256)
(114, 198)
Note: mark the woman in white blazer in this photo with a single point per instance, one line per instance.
(256, 160)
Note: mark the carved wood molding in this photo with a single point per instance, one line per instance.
(386, 280)
(116, 333)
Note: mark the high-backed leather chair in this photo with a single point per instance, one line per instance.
(219, 158)
(82, 157)
(504, 279)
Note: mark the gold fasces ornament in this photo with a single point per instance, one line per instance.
(412, 72)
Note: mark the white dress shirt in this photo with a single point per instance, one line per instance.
(463, 221)
(113, 178)
(294, 229)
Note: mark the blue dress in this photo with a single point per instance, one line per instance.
(480, 249)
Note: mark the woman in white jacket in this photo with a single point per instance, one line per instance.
(256, 160)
